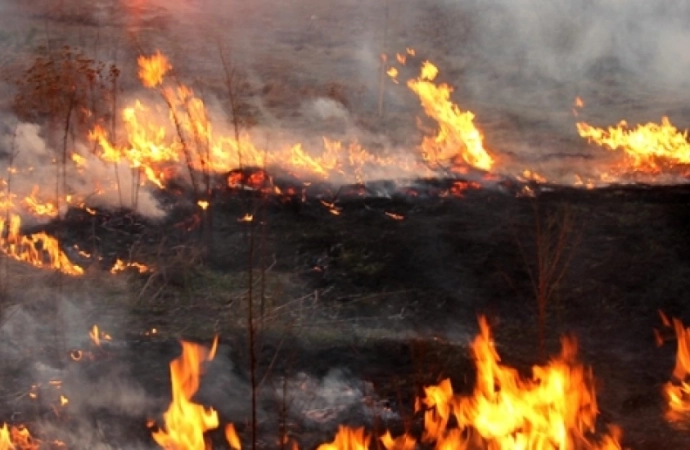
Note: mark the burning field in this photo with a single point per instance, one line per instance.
(396, 225)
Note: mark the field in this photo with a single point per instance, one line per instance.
(299, 204)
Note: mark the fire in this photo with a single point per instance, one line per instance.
(152, 70)
(458, 142)
(37, 207)
(97, 335)
(185, 421)
(348, 439)
(677, 392)
(159, 145)
(38, 249)
(555, 409)
(232, 437)
(121, 266)
(16, 438)
(393, 72)
(650, 148)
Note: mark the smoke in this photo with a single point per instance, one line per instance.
(519, 52)
(332, 399)
(96, 184)
(91, 402)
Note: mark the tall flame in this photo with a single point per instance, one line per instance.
(458, 141)
(677, 391)
(555, 409)
(185, 421)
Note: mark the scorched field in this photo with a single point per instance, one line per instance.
(347, 225)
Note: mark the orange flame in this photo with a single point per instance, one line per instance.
(232, 437)
(38, 249)
(650, 148)
(17, 438)
(186, 422)
(121, 266)
(677, 392)
(555, 409)
(152, 70)
(37, 207)
(153, 146)
(348, 439)
(458, 141)
(97, 335)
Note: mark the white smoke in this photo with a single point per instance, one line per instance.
(100, 184)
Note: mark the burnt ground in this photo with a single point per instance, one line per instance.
(391, 305)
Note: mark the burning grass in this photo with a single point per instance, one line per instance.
(175, 147)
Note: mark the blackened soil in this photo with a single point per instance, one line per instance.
(401, 280)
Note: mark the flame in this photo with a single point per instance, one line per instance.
(458, 142)
(37, 207)
(677, 391)
(185, 421)
(156, 147)
(79, 160)
(97, 335)
(38, 249)
(153, 69)
(555, 409)
(121, 266)
(203, 204)
(393, 72)
(530, 175)
(649, 148)
(17, 438)
(404, 442)
(232, 437)
(348, 439)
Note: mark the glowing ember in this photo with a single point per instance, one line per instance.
(650, 148)
(458, 142)
(677, 391)
(395, 216)
(530, 175)
(38, 249)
